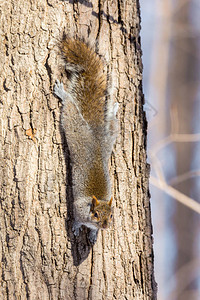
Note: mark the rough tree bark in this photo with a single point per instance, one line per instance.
(40, 258)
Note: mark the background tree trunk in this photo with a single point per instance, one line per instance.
(40, 258)
(183, 91)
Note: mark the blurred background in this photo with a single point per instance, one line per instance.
(171, 59)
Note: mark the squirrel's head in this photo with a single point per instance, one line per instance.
(101, 212)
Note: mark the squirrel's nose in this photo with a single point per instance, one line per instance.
(105, 224)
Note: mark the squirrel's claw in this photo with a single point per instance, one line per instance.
(115, 108)
(59, 90)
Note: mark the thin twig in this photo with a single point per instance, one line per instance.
(185, 200)
(184, 177)
(176, 137)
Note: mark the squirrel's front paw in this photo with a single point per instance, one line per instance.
(93, 236)
(76, 228)
(59, 90)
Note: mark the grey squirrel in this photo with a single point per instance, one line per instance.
(89, 121)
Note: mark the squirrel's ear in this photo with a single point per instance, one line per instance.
(95, 201)
(110, 202)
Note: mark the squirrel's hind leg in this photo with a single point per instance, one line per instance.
(112, 110)
(115, 109)
(59, 90)
(111, 127)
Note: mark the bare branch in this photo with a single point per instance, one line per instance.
(176, 137)
(184, 177)
(185, 200)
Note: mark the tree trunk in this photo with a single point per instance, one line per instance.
(183, 91)
(40, 258)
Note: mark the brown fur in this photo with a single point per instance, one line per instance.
(97, 183)
(90, 88)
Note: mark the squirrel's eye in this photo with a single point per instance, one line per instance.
(111, 216)
(96, 215)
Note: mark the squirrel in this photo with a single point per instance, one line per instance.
(89, 122)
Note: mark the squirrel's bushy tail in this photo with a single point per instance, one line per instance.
(88, 81)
